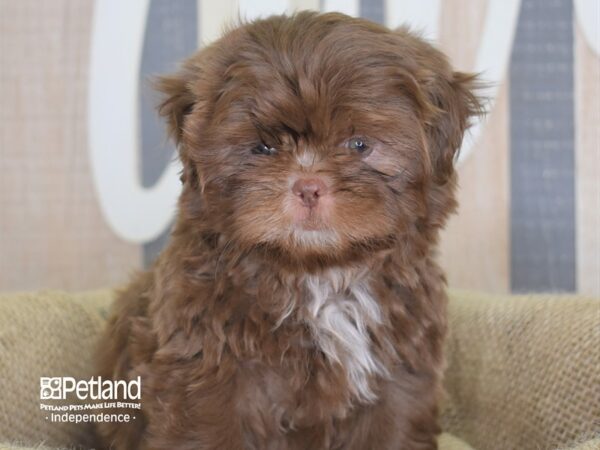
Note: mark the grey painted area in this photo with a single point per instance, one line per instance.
(542, 149)
(373, 10)
(171, 35)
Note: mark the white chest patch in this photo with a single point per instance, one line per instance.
(340, 313)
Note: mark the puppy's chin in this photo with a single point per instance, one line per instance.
(309, 238)
(310, 229)
(314, 250)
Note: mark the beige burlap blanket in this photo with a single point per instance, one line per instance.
(523, 371)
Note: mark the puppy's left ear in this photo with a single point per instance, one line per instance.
(455, 103)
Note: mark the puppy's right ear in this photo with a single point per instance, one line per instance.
(178, 101)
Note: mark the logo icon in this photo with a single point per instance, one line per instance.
(50, 388)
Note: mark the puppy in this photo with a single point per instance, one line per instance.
(298, 304)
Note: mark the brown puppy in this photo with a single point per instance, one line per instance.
(298, 305)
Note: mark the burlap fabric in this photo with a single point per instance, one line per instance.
(44, 334)
(523, 372)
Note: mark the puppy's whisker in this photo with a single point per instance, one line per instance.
(224, 250)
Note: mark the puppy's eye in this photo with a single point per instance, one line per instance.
(358, 145)
(263, 149)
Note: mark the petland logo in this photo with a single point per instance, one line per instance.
(57, 388)
(87, 398)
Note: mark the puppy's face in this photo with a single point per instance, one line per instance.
(318, 134)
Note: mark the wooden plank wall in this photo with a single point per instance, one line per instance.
(53, 235)
(587, 153)
(475, 244)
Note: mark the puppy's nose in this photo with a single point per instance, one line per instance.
(309, 190)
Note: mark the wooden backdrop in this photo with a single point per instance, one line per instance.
(53, 233)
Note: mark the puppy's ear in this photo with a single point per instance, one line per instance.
(178, 101)
(455, 103)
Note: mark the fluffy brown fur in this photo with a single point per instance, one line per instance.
(298, 316)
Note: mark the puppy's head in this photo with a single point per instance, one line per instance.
(318, 136)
